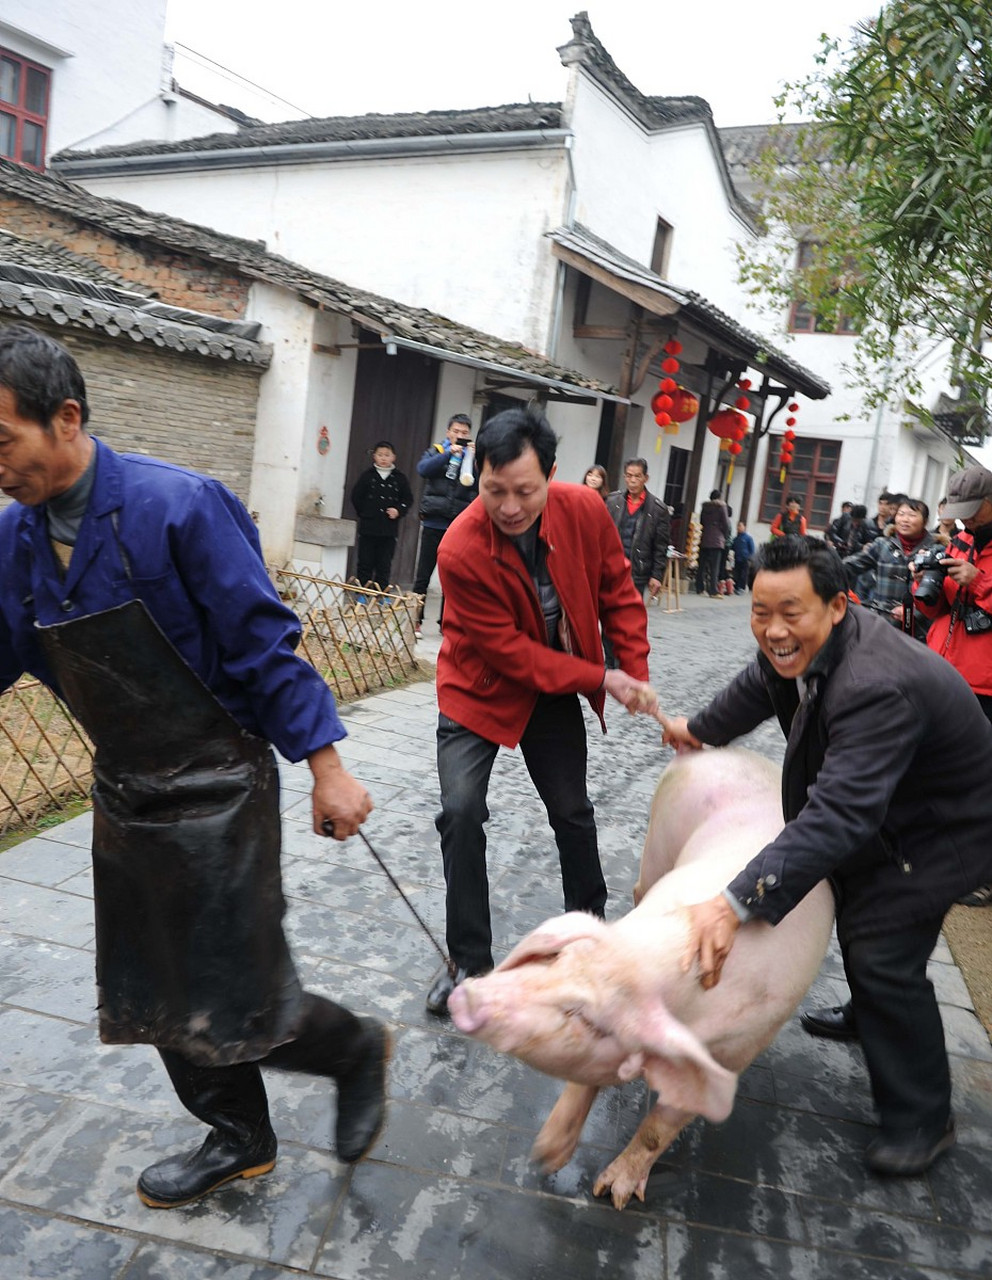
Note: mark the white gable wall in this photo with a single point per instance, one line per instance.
(110, 71)
(458, 235)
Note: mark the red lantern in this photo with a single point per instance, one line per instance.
(725, 421)
(668, 385)
(789, 435)
(662, 419)
(790, 422)
(793, 407)
(684, 405)
(742, 402)
(670, 365)
(740, 433)
(660, 402)
(673, 347)
(745, 384)
(734, 447)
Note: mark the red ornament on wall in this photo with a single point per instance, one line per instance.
(684, 405)
(725, 422)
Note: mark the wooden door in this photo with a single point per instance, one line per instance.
(395, 398)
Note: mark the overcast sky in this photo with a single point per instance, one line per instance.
(338, 58)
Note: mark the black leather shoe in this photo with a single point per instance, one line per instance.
(362, 1096)
(835, 1023)
(181, 1179)
(902, 1155)
(444, 984)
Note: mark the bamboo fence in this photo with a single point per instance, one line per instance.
(359, 640)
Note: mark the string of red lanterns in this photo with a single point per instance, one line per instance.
(787, 452)
(731, 426)
(671, 404)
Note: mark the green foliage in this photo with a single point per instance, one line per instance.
(891, 179)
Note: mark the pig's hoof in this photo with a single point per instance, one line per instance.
(620, 1184)
(550, 1155)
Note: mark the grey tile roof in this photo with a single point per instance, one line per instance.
(40, 278)
(49, 255)
(514, 117)
(249, 258)
(743, 145)
(714, 323)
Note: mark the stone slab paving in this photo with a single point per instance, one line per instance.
(777, 1191)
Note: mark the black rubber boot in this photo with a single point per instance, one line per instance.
(241, 1143)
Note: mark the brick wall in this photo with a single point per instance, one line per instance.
(176, 279)
(195, 412)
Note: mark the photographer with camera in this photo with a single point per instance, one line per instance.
(888, 560)
(450, 484)
(960, 602)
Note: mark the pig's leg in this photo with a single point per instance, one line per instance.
(555, 1145)
(628, 1174)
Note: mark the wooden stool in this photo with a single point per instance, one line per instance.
(672, 586)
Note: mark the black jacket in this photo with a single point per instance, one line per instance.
(649, 549)
(443, 496)
(371, 496)
(885, 780)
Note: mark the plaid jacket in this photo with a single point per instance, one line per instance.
(884, 556)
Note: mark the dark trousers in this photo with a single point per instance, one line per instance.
(899, 1026)
(430, 540)
(375, 559)
(554, 751)
(740, 574)
(708, 573)
(328, 1043)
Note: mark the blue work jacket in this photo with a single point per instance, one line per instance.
(185, 546)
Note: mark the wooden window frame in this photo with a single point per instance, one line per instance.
(802, 319)
(811, 483)
(20, 112)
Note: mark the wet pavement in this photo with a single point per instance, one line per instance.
(778, 1190)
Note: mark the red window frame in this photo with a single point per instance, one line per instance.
(812, 477)
(19, 111)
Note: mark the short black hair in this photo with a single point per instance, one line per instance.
(715, 495)
(917, 505)
(794, 497)
(40, 374)
(384, 444)
(510, 433)
(859, 511)
(794, 552)
(637, 462)
(463, 418)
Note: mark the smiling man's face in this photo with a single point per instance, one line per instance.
(790, 622)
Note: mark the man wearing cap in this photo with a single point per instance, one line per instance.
(961, 630)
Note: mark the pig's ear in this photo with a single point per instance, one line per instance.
(549, 938)
(683, 1071)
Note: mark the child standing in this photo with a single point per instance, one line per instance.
(381, 497)
(743, 546)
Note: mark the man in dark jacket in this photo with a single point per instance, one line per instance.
(444, 497)
(382, 497)
(714, 530)
(885, 790)
(645, 525)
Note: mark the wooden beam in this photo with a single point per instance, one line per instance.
(650, 299)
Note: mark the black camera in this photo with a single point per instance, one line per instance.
(932, 573)
(976, 620)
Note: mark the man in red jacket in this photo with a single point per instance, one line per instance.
(529, 573)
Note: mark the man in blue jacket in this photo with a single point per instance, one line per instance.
(444, 496)
(137, 592)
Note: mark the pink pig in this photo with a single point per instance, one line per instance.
(598, 1004)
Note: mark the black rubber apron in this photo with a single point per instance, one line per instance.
(190, 953)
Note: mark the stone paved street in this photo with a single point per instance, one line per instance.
(777, 1191)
